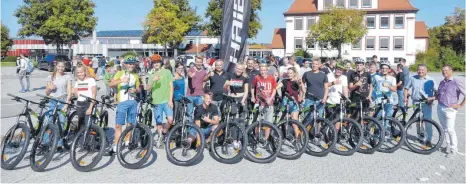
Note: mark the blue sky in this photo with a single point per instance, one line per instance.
(126, 14)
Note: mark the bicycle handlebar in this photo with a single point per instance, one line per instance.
(17, 98)
(57, 100)
(97, 101)
(344, 97)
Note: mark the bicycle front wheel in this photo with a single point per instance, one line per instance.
(295, 138)
(134, 146)
(349, 137)
(44, 148)
(87, 149)
(424, 136)
(322, 137)
(71, 130)
(184, 144)
(372, 135)
(228, 143)
(394, 134)
(264, 142)
(14, 145)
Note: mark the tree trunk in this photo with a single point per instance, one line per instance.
(166, 50)
(339, 51)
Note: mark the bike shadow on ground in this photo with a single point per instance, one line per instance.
(39, 88)
(110, 161)
(153, 158)
(58, 158)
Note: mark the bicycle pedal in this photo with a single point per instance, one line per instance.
(325, 146)
(363, 147)
(309, 127)
(220, 133)
(4, 157)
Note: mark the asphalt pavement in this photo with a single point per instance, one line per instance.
(401, 166)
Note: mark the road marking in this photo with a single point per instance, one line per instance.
(459, 153)
(424, 179)
(438, 173)
(443, 167)
(11, 104)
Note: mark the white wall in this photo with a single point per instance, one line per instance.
(375, 4)
(278, 52)
(407, 32)
(209, 40)
(420, 44)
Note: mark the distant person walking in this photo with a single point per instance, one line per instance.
(23, 73)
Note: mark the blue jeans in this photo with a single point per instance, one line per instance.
(401, 102)
(205, 131)
(427, 111)
(196, 100)
(159, 110)
(320, 108)
(388, 112)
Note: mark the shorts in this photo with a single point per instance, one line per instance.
(126, 112)
(205, 131)
(159, 110)
(293, 106)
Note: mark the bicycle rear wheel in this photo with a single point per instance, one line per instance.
(14, 145)
(322, 137)
(395, 135)
(424, 137)
(183, 144)
(134, 147)
(372, 135)
(228, 143)
(263, 148)
(44, 148)
(71, 130)
(87, 149)
(293, 142)
(349, 138)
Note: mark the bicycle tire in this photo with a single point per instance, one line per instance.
(400, 139)
(68, 134)
(274, 143)
(40, 166)
(354, 129)
(146, 142)
(436, 147)
(375, 144)
(304, 139)
(169, 140)
(26, 136)
(101, 141)
(328, 131)
(215, 136)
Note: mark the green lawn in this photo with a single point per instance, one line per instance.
(12, 64)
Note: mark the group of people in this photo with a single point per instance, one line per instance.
(254, 81)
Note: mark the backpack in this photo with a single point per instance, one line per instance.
(30, 65)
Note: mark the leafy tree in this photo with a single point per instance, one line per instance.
(214, 14)
(7, 42)
(453, 31)
(338, 26)
(58, 22)
(302, 53)
(166, 23)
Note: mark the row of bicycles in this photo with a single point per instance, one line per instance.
(343, 129)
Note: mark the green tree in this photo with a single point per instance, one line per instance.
(214, 14)
(166, 23)
(302, 53)
(7, 42)
(337, 27)
(58, 22)
(453, 31)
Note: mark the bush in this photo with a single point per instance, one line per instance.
(302, 53)
(130, 53)
(9, 59)
(435, 59)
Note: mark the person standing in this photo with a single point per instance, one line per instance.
(75, 63)
(360, 82)
(23, 73)
(264, 90)
(400, 83)
(385, 85)
(196, 83)
(178, 87)
(161, 87)
(18, 64)
(217, 79)
(349, 70)
(448, 97)
(86, 61)
(305, 68)
(421, 84)
(283, 70)
(238, 86)
(405, 70)
(85, 86)
(316, 84)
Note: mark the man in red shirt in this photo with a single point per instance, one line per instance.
(86, 61)
(265, 86)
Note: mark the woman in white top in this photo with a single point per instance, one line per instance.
(86, 86)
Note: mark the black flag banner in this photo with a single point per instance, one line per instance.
(235, 26)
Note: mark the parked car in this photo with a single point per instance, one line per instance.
(48, 62)
(188, 60)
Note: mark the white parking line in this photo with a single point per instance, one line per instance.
(11, 104)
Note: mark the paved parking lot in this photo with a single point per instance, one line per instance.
(401, 166)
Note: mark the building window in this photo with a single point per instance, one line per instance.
(399, 22)
(384, 43)
(298, 24)
(384, 59)
(311, 44)
(310, 22)
(357, 44)
(354, 3)
(370, 43)
(370, 22)
(398, 43)
(384, 22)
(323, 45)
(298, 43)
(366, 3)
(369, 59)
(397, 60)
(328, 4)
(341, 3)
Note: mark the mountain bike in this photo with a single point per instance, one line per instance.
(349, 132)
(229, 139)
(263, 138)
(371, 127)
(179, 141)
(46, 142)
(420, 137)
(102, 114)
(295, 136)
(16, 141)
(322, 133)
(145, 112)
(135, 143)
(394, 131)
(89, 141)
